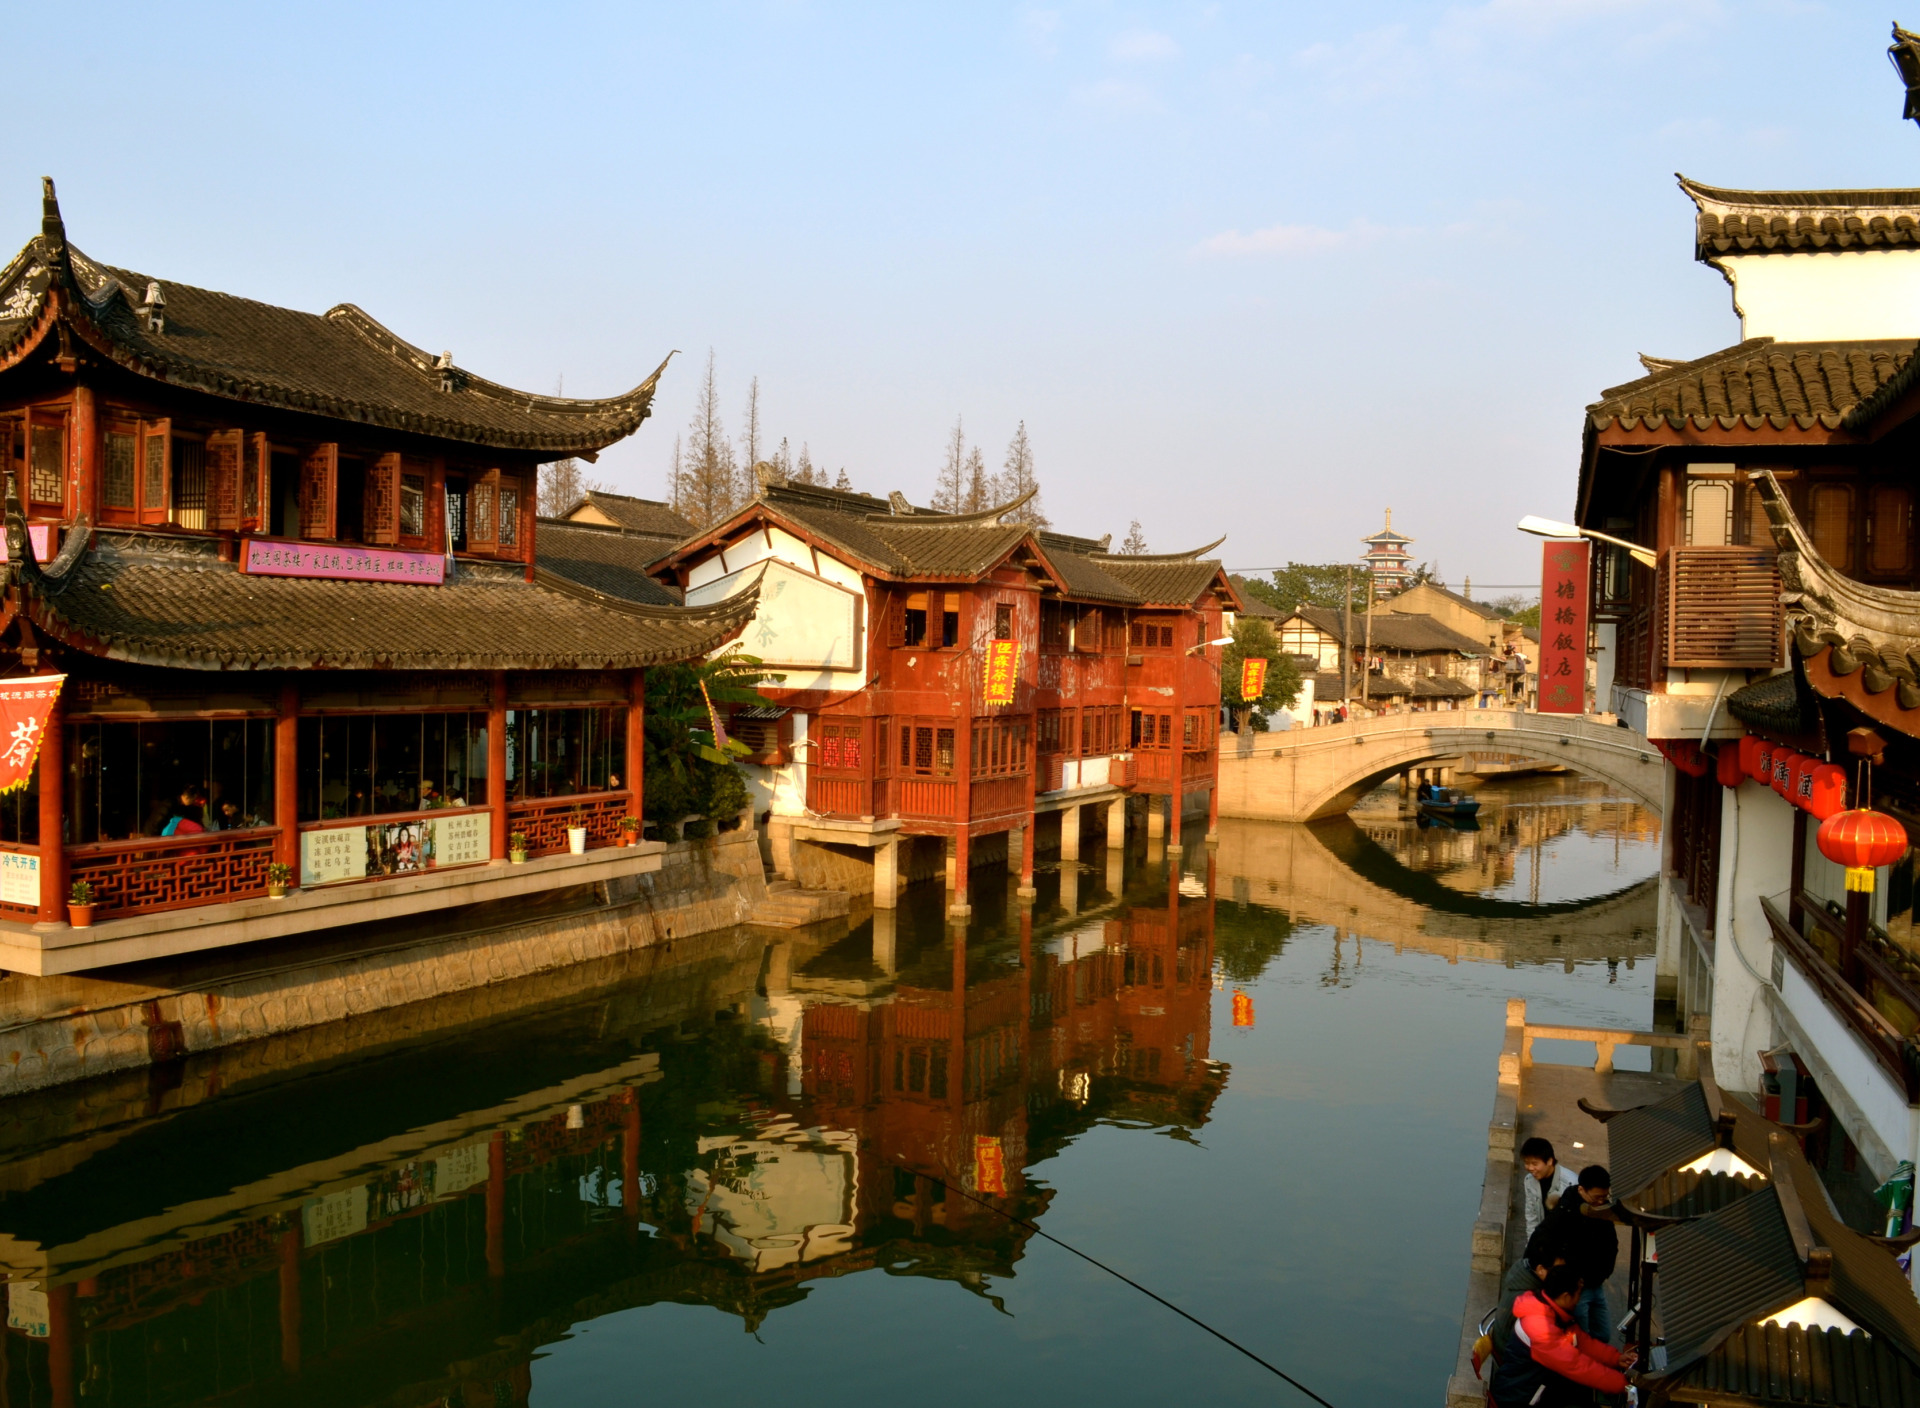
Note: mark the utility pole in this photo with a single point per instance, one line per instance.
(1346, 644)
(1366, 666)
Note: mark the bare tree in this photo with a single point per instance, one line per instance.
(949, 490)
(676, 482)
(979, 484)
(782, 460)
(1136, 542)
(750, 441)
(562, 484)
(1016, 477)
(708, 478)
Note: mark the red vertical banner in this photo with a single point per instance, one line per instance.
(24, 706)
(989, 1164)
(1242, 1009)
(1253, 678)
(1564, 586)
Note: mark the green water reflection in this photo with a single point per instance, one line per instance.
(1256, 1079)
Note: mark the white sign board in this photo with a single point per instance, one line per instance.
(335, 1216)
(459, 1169)
(330, 854)
(802, 622)
(333, 853)
(19, 878)
(463, 840)
(27, 1308)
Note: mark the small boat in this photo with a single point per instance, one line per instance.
(1448, 802)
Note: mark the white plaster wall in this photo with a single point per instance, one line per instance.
(1813, 297)
(1870, 1108)
(779, 544)
(1756, 858)
(787, 785)
(1606, 642)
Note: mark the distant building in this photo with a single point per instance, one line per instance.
(1405, 661)
(1388, 561)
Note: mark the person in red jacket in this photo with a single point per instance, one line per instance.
(1550, 1362)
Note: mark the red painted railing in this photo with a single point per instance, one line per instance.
(1053, 772)
(544, 822)
(1195, 766)
(920, 798)
(998, 796)
(1152, 765)
(156, 873)
(837, 796)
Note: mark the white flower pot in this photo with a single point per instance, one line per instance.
(577, 840)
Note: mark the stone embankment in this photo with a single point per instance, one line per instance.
(60, 1029)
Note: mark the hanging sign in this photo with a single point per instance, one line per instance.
(1003, 671)
(1563, 628)
(1242, 1009)
(1253, 678)
(24, 706)
(265, 557)
(989, 1164)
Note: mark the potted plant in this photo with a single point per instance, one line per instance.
(517, 848)
(629, 830)
(80, 905)
(577, 831)
(278, 874)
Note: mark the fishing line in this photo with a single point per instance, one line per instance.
(1224, 1338)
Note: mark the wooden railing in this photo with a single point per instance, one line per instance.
(837, 796)
(1892, 1048)
(1723, 608)
(997, 796)
(1053, 772)
(155, 873)
(919, 798)
(1152, 765)
(1196, 764)
(544, 820)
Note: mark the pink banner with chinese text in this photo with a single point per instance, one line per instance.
(268, 557)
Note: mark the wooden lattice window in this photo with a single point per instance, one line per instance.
(189, 490)
(1832, 506)
(840, 746)
(1053, 625)
(1053, 730)
(47, 459)
(118, 472)
(1151, 635)
(1000, 748)
(1100, 731)
(413, 505)
(509, 536)
(223, 455)
(255, 456)
(319, 473)
(380, 503)
(926, 749)
(156, 462)
(1002, 621)
(483, 513)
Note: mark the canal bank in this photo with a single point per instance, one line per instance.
(567, 1187)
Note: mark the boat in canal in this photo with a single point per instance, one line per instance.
(1448, 803)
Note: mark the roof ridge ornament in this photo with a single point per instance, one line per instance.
(953, 520)
(51, 225)
(1192, 555)
(1904, 54)
(153, 309)
(898, 504)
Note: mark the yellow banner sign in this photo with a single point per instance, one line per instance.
(989, 1164)
(1253, 678)
(1003, 670)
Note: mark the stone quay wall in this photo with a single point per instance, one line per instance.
(109, 1025)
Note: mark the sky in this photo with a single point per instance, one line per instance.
(1262, 270)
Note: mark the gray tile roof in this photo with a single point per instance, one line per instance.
(1757, 383)
(649, 516)
(166, 600)
(1395, 631)
(1786, 222)
(339, 364)
(609, 560)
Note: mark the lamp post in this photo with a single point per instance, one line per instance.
(1551, 528)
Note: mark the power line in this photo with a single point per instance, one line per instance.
(1118, 1275)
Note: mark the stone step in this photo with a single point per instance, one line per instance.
(788, 907)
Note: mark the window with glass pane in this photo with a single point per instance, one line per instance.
(509, 512)
(1890, 529)
(1832, 515)
(375, 764)
(413, 505)
(47, 464)
(117, 482)
(566, 752)
(20, 813)
(1709, 513)
(167, 777)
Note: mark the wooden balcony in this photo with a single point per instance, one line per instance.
(1863, 991)
(156, 873)
(1723, 608)
(996, 797)
(840, 796)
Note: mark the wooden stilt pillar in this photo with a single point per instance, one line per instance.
(630, 1159)
(60, 1344)
(53, 838)
(1027, 890)
(286, 779)
(958, 906)
(637, 748)
(497, 761)
(1174, 808)
(290, 1300)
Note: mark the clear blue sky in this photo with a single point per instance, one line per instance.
(1255, 269)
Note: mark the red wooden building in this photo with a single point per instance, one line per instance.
(954, 676)
(287, 564)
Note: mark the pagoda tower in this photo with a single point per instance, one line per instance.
(1388, 561)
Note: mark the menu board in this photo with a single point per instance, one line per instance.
(19, 878)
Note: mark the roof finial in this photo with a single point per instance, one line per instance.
(1389, 518)
(1905, 54)
(51, 225)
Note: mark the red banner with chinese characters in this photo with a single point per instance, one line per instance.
(1003, 670)
(1253, 678)
(24, 706)
(1563, 628)
(1242, 1009)
(989, 1164)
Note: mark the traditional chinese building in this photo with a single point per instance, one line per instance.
(1780, 629)
(1389, 564)
(952, 676)
(288, 564)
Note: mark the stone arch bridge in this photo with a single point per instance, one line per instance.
(1307, 773)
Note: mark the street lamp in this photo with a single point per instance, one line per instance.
(1548, 528)
(1196, 649)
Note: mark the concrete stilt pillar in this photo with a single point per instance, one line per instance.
(1117, 824)
(1156, 819)
(1070, 834)
(1016, 846)
(1116, 871)
(1070, 888)
(886, 874)
(1406, 782)
(886, 940)
(957, 906)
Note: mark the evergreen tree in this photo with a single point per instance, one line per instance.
(842, 483)
(1136, 542)
(806, 471)
(783, 461)
(1016, 477)
(708, 477)
(676, 484)
(949, 490)
(750, 441)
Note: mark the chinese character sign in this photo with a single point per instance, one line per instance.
(989, 1164)
(1253, 678)
(1563, 628)
(266, 557)
(24, 706)
(1003, 671)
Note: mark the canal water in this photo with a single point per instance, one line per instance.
(810, 1166)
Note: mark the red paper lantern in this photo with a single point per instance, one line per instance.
(1862, 841)
(1827, 791)
(1727, 768)
(1800, 780)
(1763, 764)
(1782, 779)
(1750, 755)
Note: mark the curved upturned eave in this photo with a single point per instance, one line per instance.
(1192, 555)
(1880, 612)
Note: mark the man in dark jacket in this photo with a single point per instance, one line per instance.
(1586, 1226)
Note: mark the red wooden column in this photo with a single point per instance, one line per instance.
(290, 1300)
(84, 457)
(286, 778)
(53, 796)
(637, 749)
(497, 1205)
(60, 1344)
(957, 905)
(497, 761)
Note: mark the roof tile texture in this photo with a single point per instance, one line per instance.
(1756, 381)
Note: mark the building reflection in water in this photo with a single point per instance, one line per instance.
(749, 1118)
